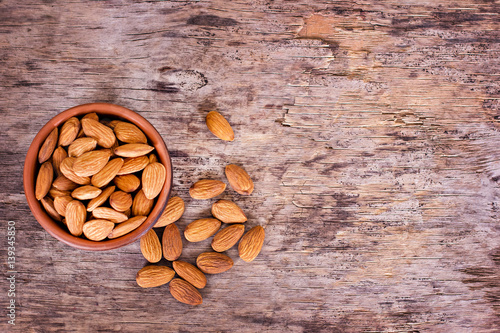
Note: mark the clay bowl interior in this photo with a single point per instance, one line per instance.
(31, 167)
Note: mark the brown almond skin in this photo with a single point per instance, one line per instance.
(141, 204)
(153, 178)
(75, 217)
(190, 273)
(106, 175)
(91, 115)
(120, 201)
(219, 126)
(129, 133)
(86, 192)
(109, 214)
(251, 243)
(133, 164)
(64, 184)
(172, 242)
(151, 247)
(184, 292)
(58, 156)
(133, 150)
(127, 183)
(81, 146)
(96, 202)
(90, 163)
(48, 204)
(172, 213)
(127, 226)
(227, 237)
(206, 189)
(48, 146)
(201, 229)
(44, 180)
(228, 212)
(154, 276)
(239, 179)
(60, 204)
(54, 193)
(67, 171)
(213, 262)
(102, 133)
(97, 230)
(69, 131)
(153, 158)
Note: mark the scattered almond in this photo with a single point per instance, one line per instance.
(48, 146)
(133, 150)
(120, 201)
(75, 217)
(219, 126)
(173, 212)
(184, 292)
(172, 242)
(201, 229)
(206, 189)
(154, 276)
(228, 212)
(213, 262)
(151, 247)
(227, 237)
(190, 273)
(127, 183)
(239, 179)
(86, 192)
(129, 133)
(251, 243)
(153, 178)
(97, 230)
(44, 180)
(69, 131)
(127, 226)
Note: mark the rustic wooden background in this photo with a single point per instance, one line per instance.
(371, 130)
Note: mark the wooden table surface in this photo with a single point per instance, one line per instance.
(370, 128)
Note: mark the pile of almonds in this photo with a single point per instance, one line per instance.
(90, 155)
(192, 278)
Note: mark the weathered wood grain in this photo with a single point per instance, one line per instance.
(370, 129)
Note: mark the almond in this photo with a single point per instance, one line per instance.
(75, 217)
(219, 126)
(228, 212)
(184, 292)
(91, 162)
(57, 157)
(151, 247)
(91, 115)
(154, 276)
(173, 212)
(109, 214)
(48, 146)
(133, 164)
(106, 175)
(172, 242)
(227, 237)
(112, 124)
(86, 192)
(120, 201)
(127, 183)
(60, 204)
(81, 145)
(48, 204)
(239, 179)
(127, 226)
(141, 204)
(133, 150)
(102, 133)
(54, 193)
(67, 170)
(129, 133)
(128, 212)
(153, 178)
(153, 158)
(69, 131)
(251, 243)
(96, 202)
(64, 184)
(201, 229)
(97, 230)
(213, 262)
(44, 180)
(206, 189)
(190, 273)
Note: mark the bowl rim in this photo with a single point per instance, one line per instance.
(31, 166)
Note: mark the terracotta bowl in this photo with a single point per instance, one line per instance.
(31, 167)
